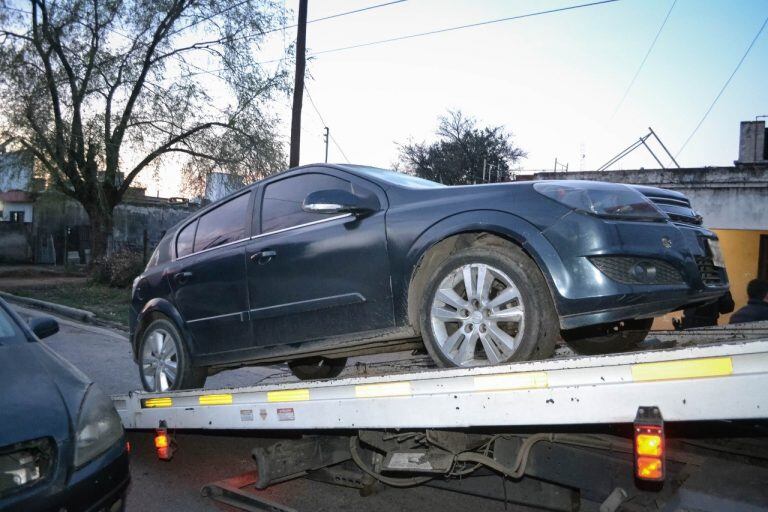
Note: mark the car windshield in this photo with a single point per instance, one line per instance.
(9, 331)
(398, 178)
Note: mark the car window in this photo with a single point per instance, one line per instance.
(185, 240)
(9, 332)
(281, 206)
(222, 225)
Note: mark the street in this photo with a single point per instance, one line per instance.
(161, 486)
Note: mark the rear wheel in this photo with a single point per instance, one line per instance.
(164, 363)
(608, 338)
(487, 305)
(313, 368)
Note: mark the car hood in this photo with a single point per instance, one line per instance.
(41, 393)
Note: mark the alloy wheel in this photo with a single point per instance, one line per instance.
(477, 316)
(159, 360)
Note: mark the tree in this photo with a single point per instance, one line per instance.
(462, 153)
(100, 91)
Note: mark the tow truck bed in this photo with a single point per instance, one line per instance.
(708, 382)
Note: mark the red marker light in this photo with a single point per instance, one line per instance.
(163, 443)
(649, 444)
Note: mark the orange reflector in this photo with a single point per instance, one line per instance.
(649, 444)
(161, 440)
(128, 446)
(650, 468)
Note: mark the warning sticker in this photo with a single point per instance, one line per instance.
(246, 414)
(286, 414)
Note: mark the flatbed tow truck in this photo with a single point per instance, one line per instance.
(679, 427)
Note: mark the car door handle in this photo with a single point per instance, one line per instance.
(182, 277)
(263, 257)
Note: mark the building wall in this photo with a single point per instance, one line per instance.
(741, 250)
(15, 246)
(7, 208)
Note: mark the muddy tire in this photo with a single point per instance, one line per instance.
(314, 368)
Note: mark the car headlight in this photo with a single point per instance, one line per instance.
(612, 200)
(98, 427)
(25, 464)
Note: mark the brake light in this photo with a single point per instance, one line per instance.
(163, 443)
(649, 444)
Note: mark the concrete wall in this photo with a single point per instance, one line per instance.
(727, 197)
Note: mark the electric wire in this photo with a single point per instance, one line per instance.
(461, 27)
(722, 89)
(320, 116)
(645, 58)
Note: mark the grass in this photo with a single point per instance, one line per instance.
(107, 303)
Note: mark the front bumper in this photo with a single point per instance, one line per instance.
(98, 486)
(587, 296)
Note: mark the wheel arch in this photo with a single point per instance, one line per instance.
(489, 227)
(153, 309)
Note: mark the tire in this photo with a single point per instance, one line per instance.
(161, 337)
(484, 329)
(314, 368)
(608, 338)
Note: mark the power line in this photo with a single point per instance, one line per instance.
(725, 85)
(460, 27)
(320, 116)
(640, 68)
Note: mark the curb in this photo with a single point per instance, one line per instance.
(80, 315)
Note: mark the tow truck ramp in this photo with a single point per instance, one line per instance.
(724, 381)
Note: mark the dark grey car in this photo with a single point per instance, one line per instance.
(327, 261)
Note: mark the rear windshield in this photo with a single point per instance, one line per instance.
(9, 331)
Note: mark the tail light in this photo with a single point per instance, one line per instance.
(649, 444)
(163, 442)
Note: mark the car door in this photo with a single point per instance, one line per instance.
(209, 280)
(311, 275)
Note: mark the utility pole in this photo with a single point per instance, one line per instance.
(298, 87)
(326, 137)
(484, 162)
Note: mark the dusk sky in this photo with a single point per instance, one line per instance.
(553, 80)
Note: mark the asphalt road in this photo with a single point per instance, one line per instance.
(160, 486)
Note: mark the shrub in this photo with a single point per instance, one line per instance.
(118, 269)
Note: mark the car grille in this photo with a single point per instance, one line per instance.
(620, 268)
(710, 274)
(678, 209)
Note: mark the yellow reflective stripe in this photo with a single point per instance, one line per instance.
(215, 399)
(383, 389)
(504, 381)
(158, 402)
(690, 369)
(288, 395)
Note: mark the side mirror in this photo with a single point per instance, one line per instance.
(338, 201)
(44, 326)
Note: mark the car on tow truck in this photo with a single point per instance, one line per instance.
(324, 262)
(62, 445)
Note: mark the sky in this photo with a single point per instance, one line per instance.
(554, 81)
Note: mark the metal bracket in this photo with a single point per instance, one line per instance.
(232, 491)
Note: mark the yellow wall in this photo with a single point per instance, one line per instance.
(741, 251)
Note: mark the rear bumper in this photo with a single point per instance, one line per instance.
(587, 296)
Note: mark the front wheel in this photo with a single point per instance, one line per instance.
(487, 305)
(164, 363)
(608, 338)
(314, 368)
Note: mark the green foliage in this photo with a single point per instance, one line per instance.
(118, 269)
(462, 152)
